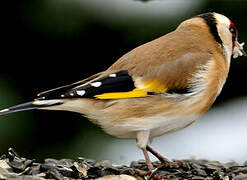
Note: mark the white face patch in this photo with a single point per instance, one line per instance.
(222, 19)
(71, 94)
(96, 84)
(223, 25)
(80, 92)
(112, 75)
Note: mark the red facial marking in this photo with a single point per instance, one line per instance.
(234, 32)
(233, 26)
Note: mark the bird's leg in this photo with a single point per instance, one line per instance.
(156, 154)
(175, 164)
(148, 161)
(142, 138)
(162, 158)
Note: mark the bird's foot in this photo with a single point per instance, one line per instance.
(149, 173)
(142, 172)
(143, 168)
(176, 164)
(165, 162)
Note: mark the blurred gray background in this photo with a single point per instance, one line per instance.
(50, 43)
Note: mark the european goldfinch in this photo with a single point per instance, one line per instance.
(157, 88)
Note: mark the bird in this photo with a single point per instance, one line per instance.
(157, 88)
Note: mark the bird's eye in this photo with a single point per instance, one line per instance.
(233, 31)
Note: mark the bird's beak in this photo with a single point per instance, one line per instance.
(238, 50)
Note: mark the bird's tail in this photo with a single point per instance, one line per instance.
(36, 104)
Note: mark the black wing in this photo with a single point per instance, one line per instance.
(119, 81)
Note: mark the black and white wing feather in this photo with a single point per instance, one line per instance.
(119, 81)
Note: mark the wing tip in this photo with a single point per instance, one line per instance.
(4, 111)
(37, 104)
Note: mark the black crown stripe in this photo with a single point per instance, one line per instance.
(211, 22)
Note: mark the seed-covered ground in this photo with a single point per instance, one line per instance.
(15, 167)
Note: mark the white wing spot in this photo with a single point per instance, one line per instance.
(80, 92)
(62, 95)
(96, 84)
(46, 102)
(71, 94)
(113, 75)
(4, 110)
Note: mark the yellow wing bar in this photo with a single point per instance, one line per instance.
(154, 86)
(120, 95)
(150, 86)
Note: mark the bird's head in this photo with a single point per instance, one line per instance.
(225, 33)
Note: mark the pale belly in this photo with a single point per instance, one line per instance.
(157, 125)
(170, 125)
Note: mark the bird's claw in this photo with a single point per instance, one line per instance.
(176, 164)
